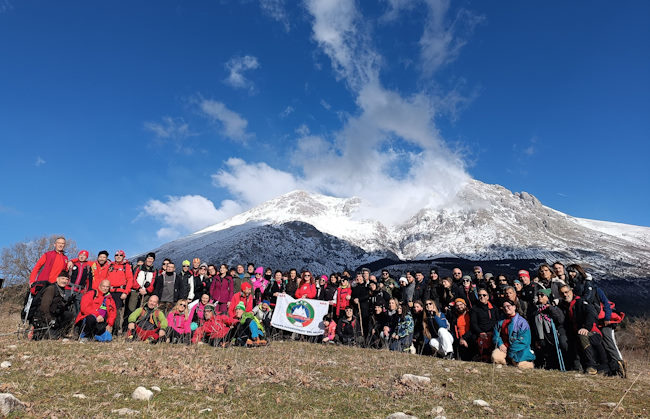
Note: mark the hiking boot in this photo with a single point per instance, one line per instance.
(450, 355)
(249, 342)
(224, 344)
(622, 369)
(592, 371)
(260, 342)
(83, 340)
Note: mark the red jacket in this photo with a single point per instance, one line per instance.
(248, 303)
(52, 263)
(100, 272)
(217, 328)
(92, 301)
(306, 290)
(121, 277)
(341, 301)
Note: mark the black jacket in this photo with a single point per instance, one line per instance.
(182, 286)
(482, 319)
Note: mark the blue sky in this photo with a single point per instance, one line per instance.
(125, 125)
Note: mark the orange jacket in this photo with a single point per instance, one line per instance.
(100, 272)
(52, 263)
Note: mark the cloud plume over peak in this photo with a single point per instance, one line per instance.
(389, 152)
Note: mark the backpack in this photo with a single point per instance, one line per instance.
(36, 300)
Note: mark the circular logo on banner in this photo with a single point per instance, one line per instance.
(300, 313)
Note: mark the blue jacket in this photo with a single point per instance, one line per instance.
(518, 339)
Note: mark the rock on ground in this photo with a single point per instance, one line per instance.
(609, 404)
(414, 380)
(142, 393)
(80, 396)
(206, 410)
(125, 411)
(400, 415)
(9, 404)
(5, 364)
(481, 403)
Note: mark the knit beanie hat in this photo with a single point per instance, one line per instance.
(545, 291)
(240, 306)
(259, 270)
(83, 252)
(525, 273)
(209, 307)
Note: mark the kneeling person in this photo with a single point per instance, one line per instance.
(97, 314)
(512, 339)
(148, 322)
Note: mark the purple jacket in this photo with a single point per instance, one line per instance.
(222, 289)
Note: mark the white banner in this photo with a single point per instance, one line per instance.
(304, 316)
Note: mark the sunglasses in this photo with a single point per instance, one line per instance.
(182, 305)
(429, 304)
(482, 295)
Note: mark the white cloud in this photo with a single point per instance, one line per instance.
(237, 66)
(325, 105)
(169, 128)
(302, 130)
(276, 10)
(395, 7)
(338, 30)
(388, 151)
(253, 183)
(442, 38)
(39, 161)
(287, 111)
(233, 125)
(188, 213)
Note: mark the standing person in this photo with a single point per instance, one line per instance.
(529, 289)
(239, 278)
(468, 290)
(548, 279)
(478, 274)
(260, 282)
(275, 288)
(558, 269)
(511, 339)
(361, 306)
(143, 279)
(184, 287)
(582, 317)
(306, 287)
(483, 317)
(457, 275)
(100, 267)
(343, 296)
(549, 337)
(121, 278)
(81, 278)
(202, 282)
(196, 266)
(293, 281)
(98, 313)
(50, 264)
(420, 293)
(164, 287)
(222, 289)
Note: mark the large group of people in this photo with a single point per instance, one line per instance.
(556, 318)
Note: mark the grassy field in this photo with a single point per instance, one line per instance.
(293, 379)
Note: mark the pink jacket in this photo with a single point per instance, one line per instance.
(179, 323)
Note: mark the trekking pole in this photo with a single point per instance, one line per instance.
(360, 318)
(560, 358)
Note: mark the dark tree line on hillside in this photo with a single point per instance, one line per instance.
(17, 260)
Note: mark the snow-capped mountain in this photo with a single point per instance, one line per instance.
(484, 222)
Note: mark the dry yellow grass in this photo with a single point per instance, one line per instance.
(293, 379)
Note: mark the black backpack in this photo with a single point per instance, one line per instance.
(36, 301)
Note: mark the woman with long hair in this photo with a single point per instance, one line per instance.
(179, 323)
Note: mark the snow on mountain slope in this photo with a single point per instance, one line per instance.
(483, 222)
